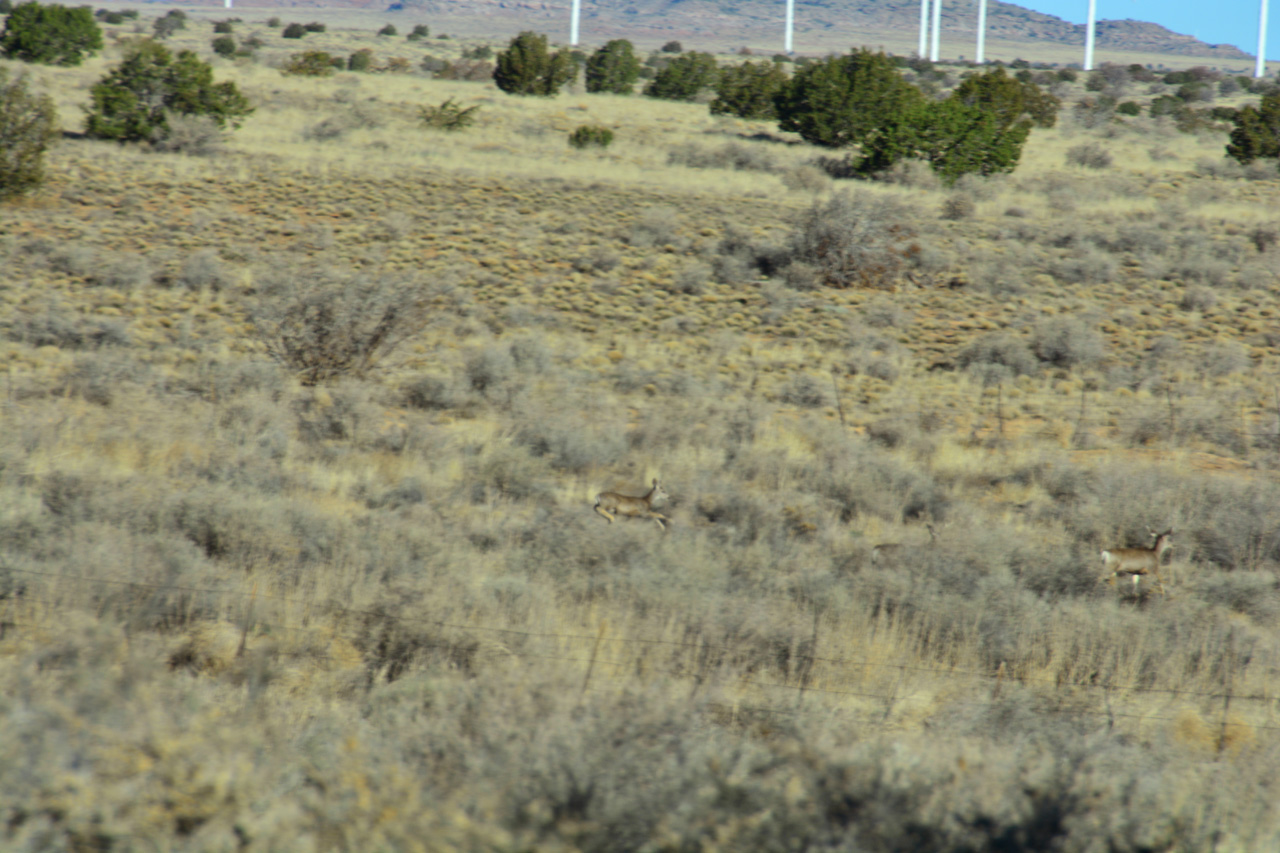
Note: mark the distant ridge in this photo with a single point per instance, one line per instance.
(641, 19)
(1004, 20)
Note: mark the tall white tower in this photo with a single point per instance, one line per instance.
(937, 27)
(1260, 64)
(790, 25)
(924, 29)
(1090, 26)
(575, 12)
(980, 56)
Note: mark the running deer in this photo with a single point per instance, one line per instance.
(611, 505)
(887, 553)
(1138, 562)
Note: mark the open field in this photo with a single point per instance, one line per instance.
(238, 611)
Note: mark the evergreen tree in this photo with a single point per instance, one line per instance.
(613, 68)
(953, 137)
(837, 102)
(28, 126)
(132, 101)
(526, 67)
(682, 78)
(1257, 131)
(1011, 99)
(51, 35)
(748, 90)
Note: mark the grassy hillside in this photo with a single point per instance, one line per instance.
(238, 611)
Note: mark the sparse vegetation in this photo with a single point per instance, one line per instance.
(300, 445)
(450, 115)
(591, 136)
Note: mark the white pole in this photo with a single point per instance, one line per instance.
(924, 29)
(791, 20)
(1088, 35)
(574, 12)
(982, 32)
(1260, 64)
(937, 26)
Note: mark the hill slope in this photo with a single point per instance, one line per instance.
(1005, 20)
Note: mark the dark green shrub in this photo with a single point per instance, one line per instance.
(224, 46)
(449, 116)
(170, 23)
(311, 63)
(273, 22)
(420, 31)
(132, 101)
(223, 27)
(838, 101)
(294, 31)
(1011, 100)
(613, 68)
(361, 60)
(588, 136)
(527, 68)
(1257, 131)
(748, 90)
(51, 35)
(673, 47)
(314, 27)
(953, 138)
(388, 30)
(684, 77)
(1129, 108)
(482, 51)
(28, 126)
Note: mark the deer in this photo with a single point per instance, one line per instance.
(611, 505)
(892, 552)
(1138, 562)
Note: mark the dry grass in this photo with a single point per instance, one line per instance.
(378, 613)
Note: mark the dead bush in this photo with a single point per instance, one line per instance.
(324, 324)
(855, 240)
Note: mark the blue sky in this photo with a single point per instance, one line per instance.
(1230, 21)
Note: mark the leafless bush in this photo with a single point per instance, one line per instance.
(731, 155)
(1066, 342)
(203, 270)
(53, 323)
(323, 324)
(958, 207)
(1089, 155)
(656, 226)
(193, 135)
(806, 178)
(123, 271)
(854, 240)
(1000, 349)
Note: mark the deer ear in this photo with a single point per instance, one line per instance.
(655, 481)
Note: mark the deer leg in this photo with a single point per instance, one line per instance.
(607, 517)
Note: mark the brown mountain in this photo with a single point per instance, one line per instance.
(840, 22)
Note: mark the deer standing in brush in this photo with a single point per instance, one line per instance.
(1138, 562)
(611, 505)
